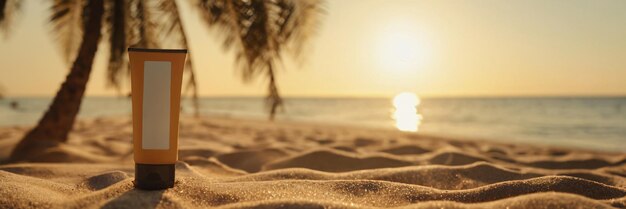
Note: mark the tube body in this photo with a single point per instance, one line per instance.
(156, 78)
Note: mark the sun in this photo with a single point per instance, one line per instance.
(401, 48)
(399, 51)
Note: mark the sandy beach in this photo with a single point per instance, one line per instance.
(234, 163)
(312, 104)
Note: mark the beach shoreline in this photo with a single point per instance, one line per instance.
(557, 122)
(243, 163)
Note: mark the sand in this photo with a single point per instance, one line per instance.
(233, 163)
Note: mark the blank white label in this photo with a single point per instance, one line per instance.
(157, 76)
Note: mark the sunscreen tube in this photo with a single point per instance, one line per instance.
(156, 78)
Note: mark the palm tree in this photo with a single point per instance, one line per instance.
(259, 31)
(79, 25)
(54, 126)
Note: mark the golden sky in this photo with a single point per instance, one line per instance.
(379, 48)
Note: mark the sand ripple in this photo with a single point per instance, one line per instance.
(253, 164)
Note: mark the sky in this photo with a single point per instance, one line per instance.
(376, 48)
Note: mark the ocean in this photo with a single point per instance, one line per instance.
(588, 123)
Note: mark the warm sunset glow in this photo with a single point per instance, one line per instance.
(398, 52)
(400, 48)
(378, 48)
(405, 113)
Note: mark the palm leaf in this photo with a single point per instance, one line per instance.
(3, 7)
(143, 24)
(116, 24)
(259, 31)
(67, 19)
(298, 22)
(8, 10)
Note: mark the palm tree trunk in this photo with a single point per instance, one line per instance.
(55, 125)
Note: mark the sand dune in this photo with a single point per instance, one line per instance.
(232, 163)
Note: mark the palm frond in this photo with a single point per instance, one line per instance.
(259, 31)
(143, 24)
(116, 24)
(298, 22)
(3, 6)
(8, 10)
(131, 23)
(67, 19)
(223, 16)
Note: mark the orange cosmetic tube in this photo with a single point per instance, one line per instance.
(156, 78)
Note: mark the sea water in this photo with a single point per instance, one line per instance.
(588, 123)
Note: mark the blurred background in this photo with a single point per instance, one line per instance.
(532, 72)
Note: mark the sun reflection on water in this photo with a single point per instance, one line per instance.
(405, 112)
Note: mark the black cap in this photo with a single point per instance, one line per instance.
(154, 176)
